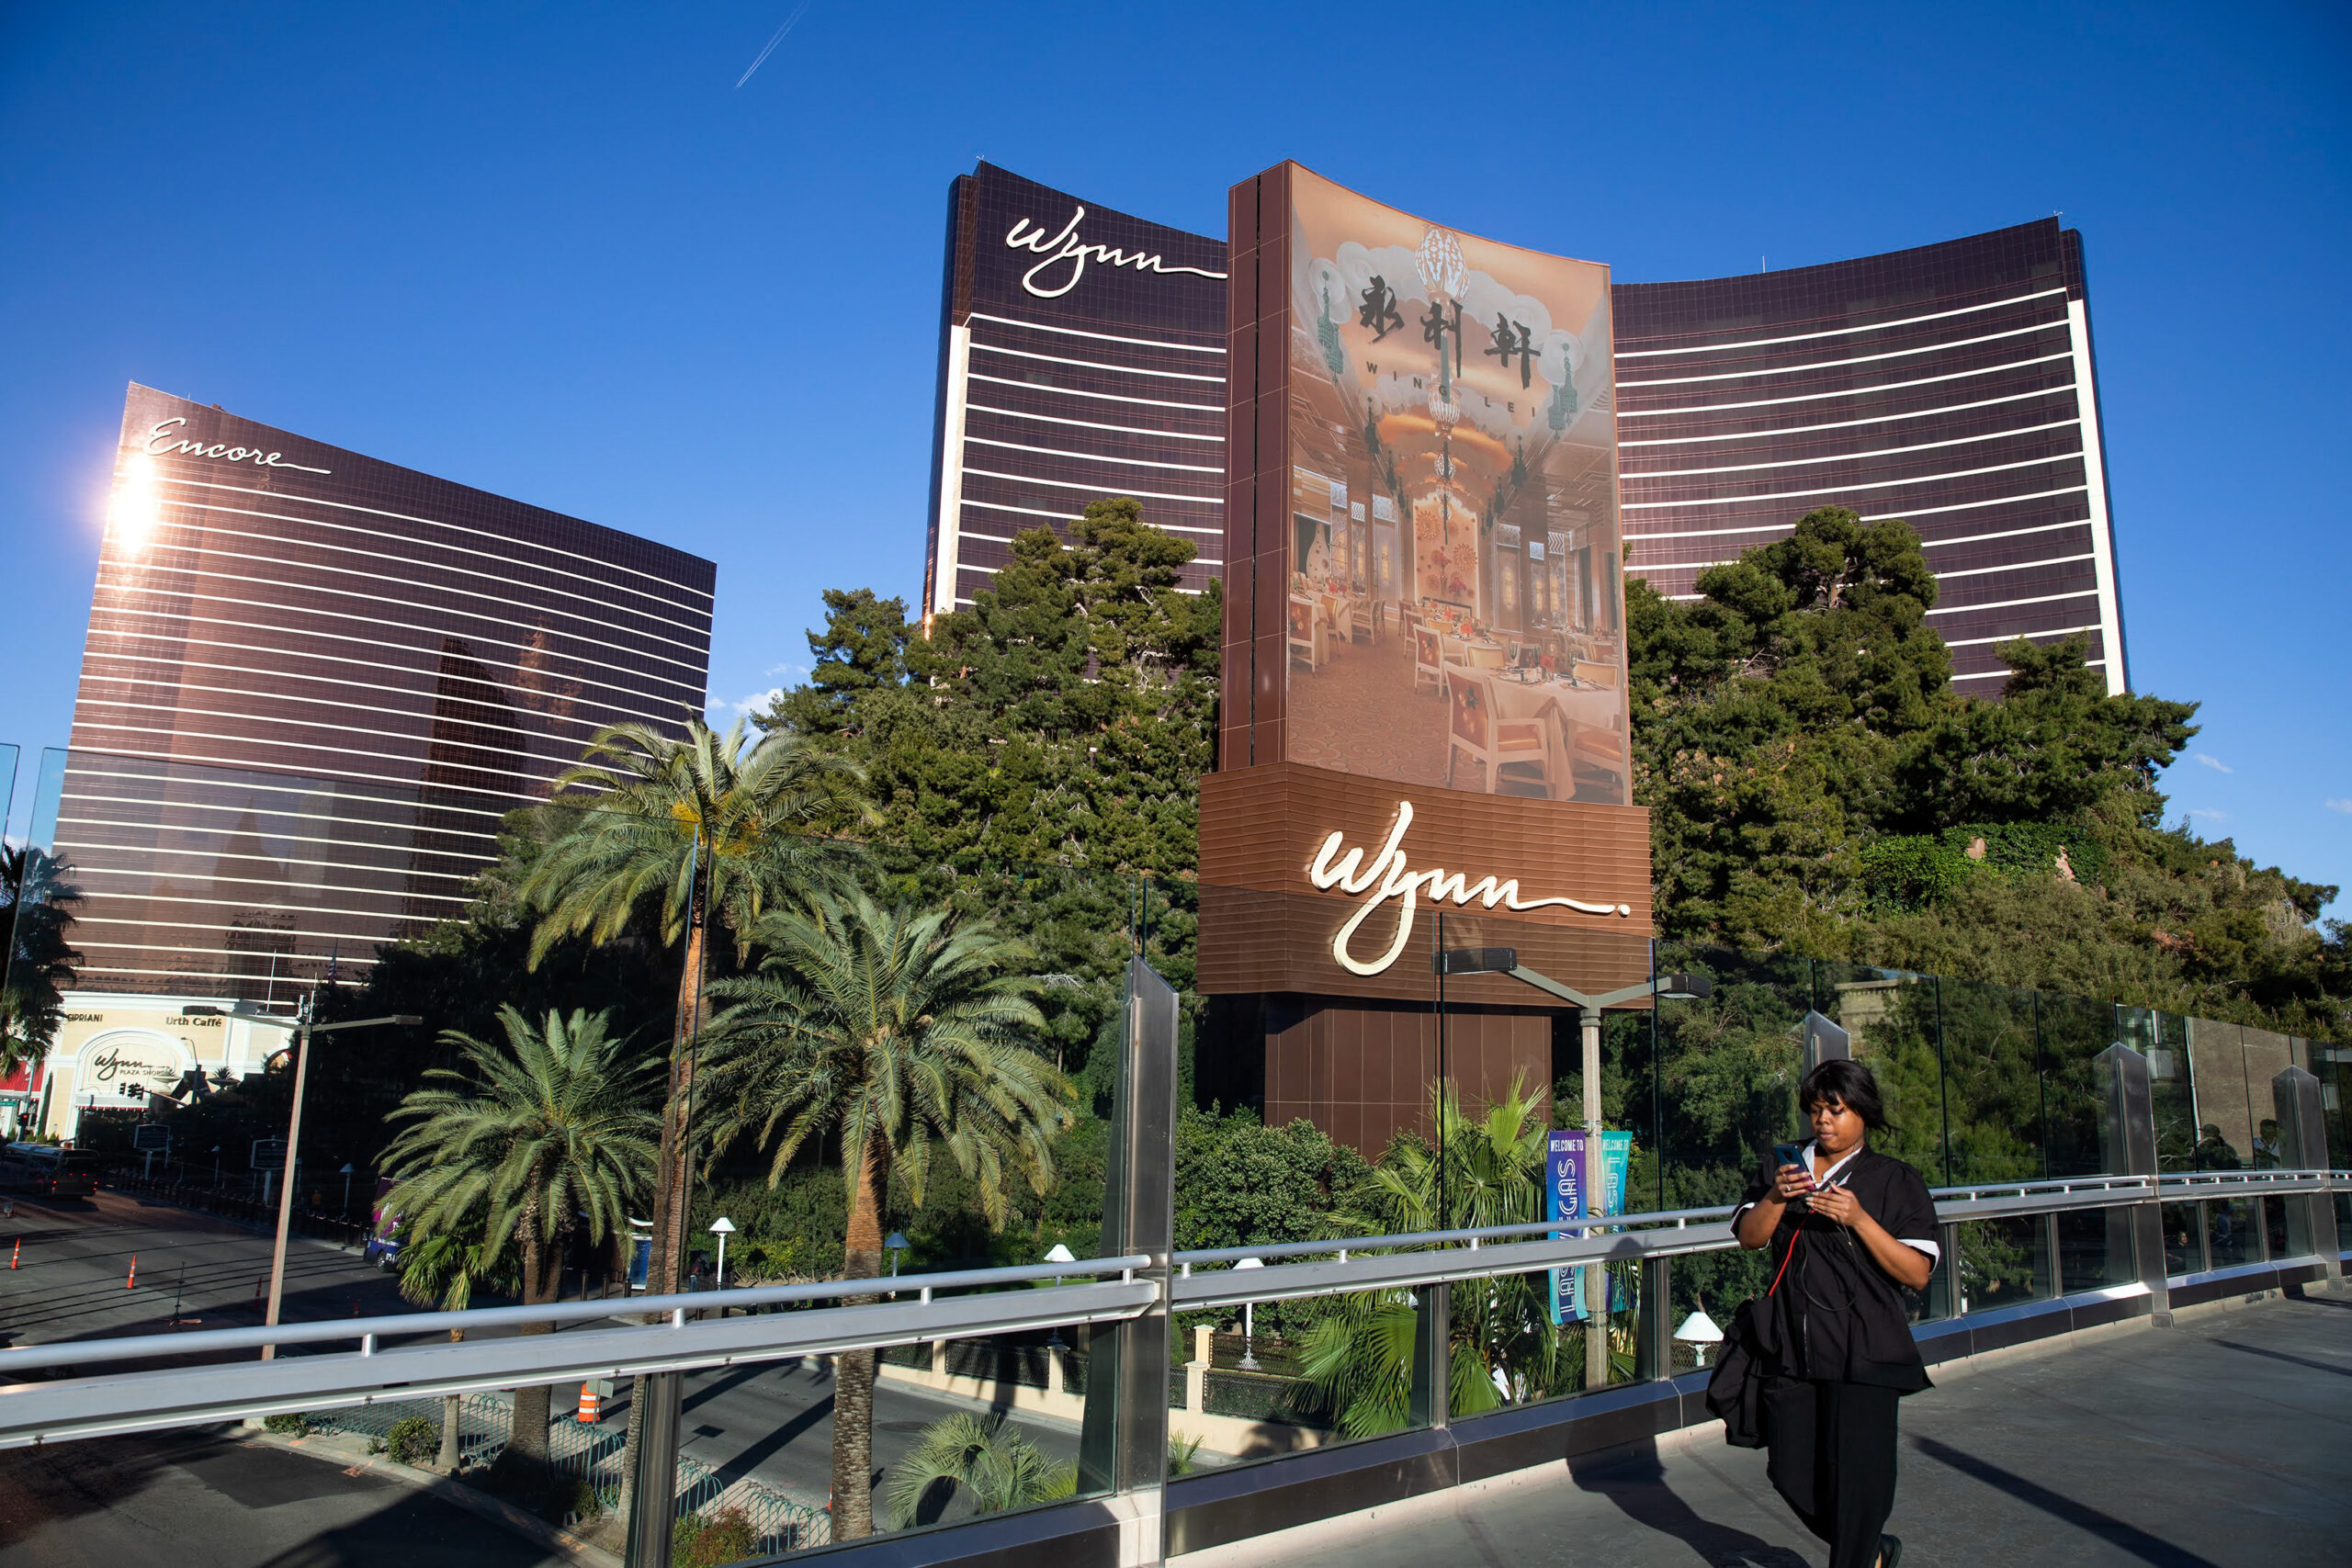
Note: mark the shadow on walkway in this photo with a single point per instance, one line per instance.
(2123, 1536)
(1637, 1485)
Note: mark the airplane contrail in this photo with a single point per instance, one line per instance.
(797, 12)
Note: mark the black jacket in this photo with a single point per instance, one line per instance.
(1836, 1315)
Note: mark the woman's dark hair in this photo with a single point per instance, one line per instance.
(1846, 1080)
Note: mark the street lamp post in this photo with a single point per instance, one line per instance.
(346, 1188)
(1673, 988)
(1248, 1362)
(303, 1030)
(896, 1247)
(721, 1227)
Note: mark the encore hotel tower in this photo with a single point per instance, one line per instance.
(314, 683)
(1951, 385)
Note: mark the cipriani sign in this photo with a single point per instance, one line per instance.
(162, 443)
(1387, 877)
(1066, 246)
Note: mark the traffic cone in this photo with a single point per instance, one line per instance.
(592, 1408)
(133, 1280)
(16, 1252)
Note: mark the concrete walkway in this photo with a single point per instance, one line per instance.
(2223, 1441)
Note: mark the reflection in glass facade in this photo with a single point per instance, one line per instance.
(313, 684)
(1951, 385)
(1082, 355)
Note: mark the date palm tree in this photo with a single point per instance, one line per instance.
(648, 832)
(531, 1139)
(893, 1030)
(992, 1464)
(444, 1270)
(37, 963)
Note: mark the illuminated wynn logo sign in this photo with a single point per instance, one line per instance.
(1387, 877)
(1066, 246)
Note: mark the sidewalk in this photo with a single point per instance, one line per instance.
(2226, 1439)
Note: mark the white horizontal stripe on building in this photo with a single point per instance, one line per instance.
(424, 693)
(1937, 412)
(1092, 424)
(248, 904)
(268, 784)
(1838, 332)
(1096, 456)
(299, 818)
(1090, 365)
(700, 622)
(1624, 413)
(2012, 604)
(193, 618)
(507, 539)
(1841, 489)
(221, 952)
(588, 683)
(518, 796)
(2004, 534)
(522, 755)
(347, 842)
(1071, 517)
(2021, 566)
(992, 571)
(1095, 490)
(1073, 331)
(2012, 637)
(1104, 397)
(1849, 457)
(1904, 515)
(397, 873)
(1841, 364)
(2004, 674)
(314, 590)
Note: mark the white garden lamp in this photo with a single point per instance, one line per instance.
(1248, 1362)
(722, 1227)
(1700, 1331)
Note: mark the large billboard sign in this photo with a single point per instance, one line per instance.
(1454, 610)
(1424, 650)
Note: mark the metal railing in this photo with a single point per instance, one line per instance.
(708, 1329)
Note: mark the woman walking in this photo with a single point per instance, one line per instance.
(1850, 1230)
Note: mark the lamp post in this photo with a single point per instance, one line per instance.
(896, 1247)
(1058, 1253)
(303, 1030)
(347, 1168)
(721, 1227)
(1248, 1362)
(1672, 988)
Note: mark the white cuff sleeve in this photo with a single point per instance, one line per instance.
(1930, 1247)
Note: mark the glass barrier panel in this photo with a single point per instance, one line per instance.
(1891, 1015)
(2267, 1055)
(2095, 1249)
(2002, 1263)
(2232, 1233)
(1992, 1087)
(2163, 1039)
(2224, 1104)
(2184, 1241)
(2073, 1033)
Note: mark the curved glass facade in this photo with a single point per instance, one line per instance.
(1082, 355)
(1951, 385)
(314, 683)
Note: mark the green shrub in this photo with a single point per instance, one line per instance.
(414, 1440)
(699, 1542)
(293, 1425)
(579, 1501)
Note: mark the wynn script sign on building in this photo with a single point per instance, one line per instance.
(1424, 660)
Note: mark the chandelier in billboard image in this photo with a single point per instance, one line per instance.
(1456, 606)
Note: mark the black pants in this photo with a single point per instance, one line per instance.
(1833, 1460)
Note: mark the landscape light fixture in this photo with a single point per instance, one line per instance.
(1248, 1362)
(896, 1245)
(721, 1227)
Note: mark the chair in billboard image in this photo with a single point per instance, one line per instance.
(1305, 635)
(1363, 618)
(1429, 657)
(1512, 750)
(1593, 674)
(1600, 755)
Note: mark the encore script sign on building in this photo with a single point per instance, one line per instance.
(1424, 643)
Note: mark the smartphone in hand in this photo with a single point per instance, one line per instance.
(1789, 1154)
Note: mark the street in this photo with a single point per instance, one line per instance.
(772, 1423)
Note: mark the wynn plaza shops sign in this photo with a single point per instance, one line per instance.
(1424, 716)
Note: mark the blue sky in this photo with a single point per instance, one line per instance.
(559, 252)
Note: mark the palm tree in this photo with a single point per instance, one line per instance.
(532, 1140)
(892, 1029)
(994, 1464)
(444, 1270)
(645, 825)
(1504, 1345)
(36, 961)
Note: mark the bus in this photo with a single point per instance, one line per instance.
(49, 1171)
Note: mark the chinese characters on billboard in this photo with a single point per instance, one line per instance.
(1456, 612)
